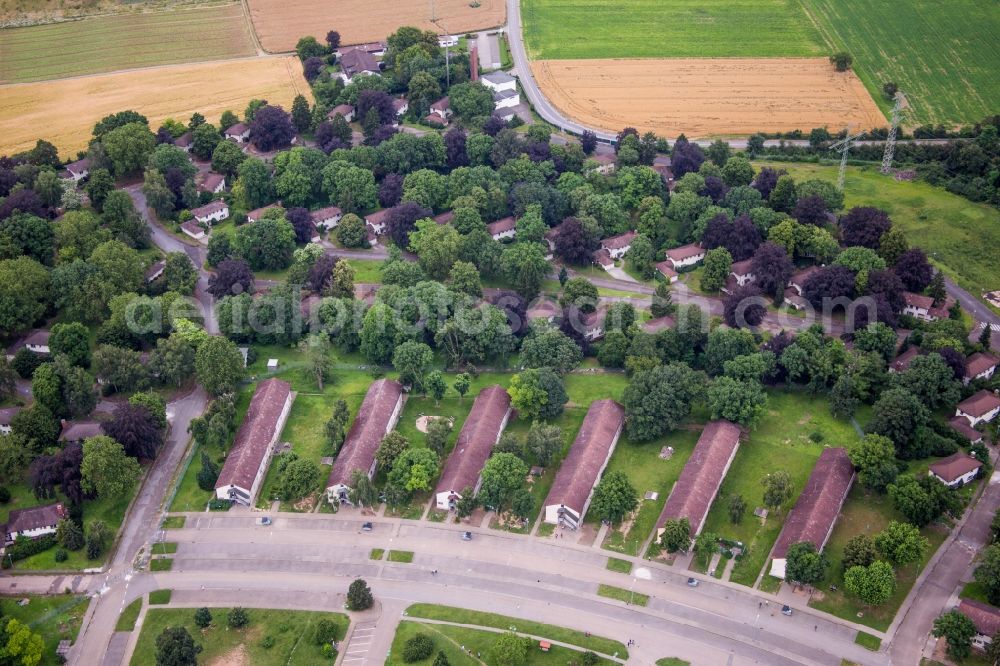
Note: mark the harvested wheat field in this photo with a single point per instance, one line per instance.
(704, 97)
(64, 112)
(280, 23)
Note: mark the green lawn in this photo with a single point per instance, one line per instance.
(867, 513)
(126, 621)
(366, 270)
(622, 594)
(671, 661)
(780, 442)
(161, 564)
(561, 29)
(619, 565)
(174, 522)
(164, 548)
(159, 597)
(404, 556)
(868, 641)
(376, 554)
(958, 235)
(975, 591)
(291, 632)
(561, 634)
(55, 618)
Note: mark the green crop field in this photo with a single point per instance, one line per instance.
(565, 29)
(110, 43)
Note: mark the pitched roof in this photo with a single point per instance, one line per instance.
(741, 267)
(251, 446)
(903, 361)
(357, 60)
(257, 213)
(79, 166)
(594, 319)
(543, 308)
(961, 425)
(504, 94)
(399, 103)
(212, 180)
(979, 363)
(602, 258)
(818, 507)
(918, 300)
(157, 267)
(658, 324)
(685, 252)
(620, 241)
(500, 226)
(7, 414)
(32, 518)
(343, 109)
(434, 119)
(985, 617)
(666, 269)
(184, 140)
(442, 104)
(582, 467)
(210, 208)
(799, 277)
(979, 404)
(192, 227)
(373, 421)
(239, 129)
(74, 431)
(475, 442)
(445, 217)
(324, 213)
(954, 466)
(378, 217)
(701, 477)
(37, 337)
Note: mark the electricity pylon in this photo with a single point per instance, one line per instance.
(890, 141)
(844, 146)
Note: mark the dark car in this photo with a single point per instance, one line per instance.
(692, 582)
(366, 527)
(786, 610)
(265, 520)
(466, 536)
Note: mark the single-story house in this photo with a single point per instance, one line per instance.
(603, 259)
(78, 170)
(376, 49)
(378, 220)
(37, 341)
(506, 99)
(981, 407)
(980, 366)
(212, 182)
(666, 269)
(442, 108)
(357, 62)
(257, 213)
(794, 298)
(902, 362)
(658, 324)
(605, 162)
(344, 110)
(618, 245)
(685, 255)
(962, 427)
(817, 508)
(481, 431)
(573, 488)
(400, 106)
(377, 415)
(498, 81)
(446, 41)
(956, 470)
(156, 270)
(193, 229)
(798, 278)
(326, 218)
(77, 431)
(593, 324)
(543, 308)
(185, 141)
(371, 235)
(918, 305)
(699, 481)
(248, 458)
(985, 617)
(212, 212)
(743, 272)
(33, 522)
(7, 415)
(240, 132)
(435, 120)
(505, 228)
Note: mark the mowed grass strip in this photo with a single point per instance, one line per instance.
(567, 29)
(621, 594)
(108, 43)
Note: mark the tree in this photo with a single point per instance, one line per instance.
(69, 535)
(237, 618)
(175, 647)
(717, 152)
(737, 171)
(414, 470)
(470, 100)
(227, 158)
(335, 426)
(172, 360)
(412, 360)
(464, 278)
(37, 425)
(897, 415)
(803, 564)
(580, 293)
(436, 246)
(319, 362)
(106, 469)
(777, 489)
(349, 186)
(99, 184)
(841, 61)
(537, 393)
(359, 596)
(931, 380)
(96, 538)
(572, 242)
(301, 116)
(525, 266)
(71, 340)
(351, 232)
(921, 502)
(914, 270)
(24, 294)
(874, 457)
(658, 400)
(435, 385)
(208, 475)
(772, 267)
(859, 551)
(502, 476)
(901, 543)
(987, 573)
(462, 383)
(614, 497)
(299, 478)
(737, 507)
(717, 264)
(204, 140)
(958, 630)
(378, 334)
(864, 226)
(418, 647)
(543, 442)
(219, 365)
(441, 659)
(271, 128)
(509, 650)
(203, 618)
(136, 429)
(438, 431)
(873, 584)
(740, 401)
(390, 448)
(267, 244)
(550, 348)
(676, 535)
(128, 148)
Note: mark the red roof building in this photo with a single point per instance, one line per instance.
(33, 522)
(985, 617)
(902, 362)
(685, 255)
(962, 427)
(981, 407)
(503, 228)
(956, 470)
(980, 366)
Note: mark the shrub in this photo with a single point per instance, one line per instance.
(238, 618)
(61, 555)
(325, 632)
(418, 647)
(267, 643)
(24, 547)
(203, 618)
(4, 495)
(816, 436)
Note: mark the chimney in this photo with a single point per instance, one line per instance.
(474, 62)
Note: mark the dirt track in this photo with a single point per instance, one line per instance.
(280, 23)
(704, 97)
(64, 111)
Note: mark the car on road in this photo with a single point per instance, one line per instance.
(692, 582)
(786, 610)
(366, 527)
(264, 520)
(466, 536)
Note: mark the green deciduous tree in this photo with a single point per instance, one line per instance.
(537, 393)
(219, 365)
(676, 535)
(987, 573)
(875, 459)
(740, 401)
(873, 584)
(105, 469)
(503, 474)
(958, 631)
(614, 497)
(901, 543)
(777, 489)
(803, 564)
(359, 596)
(658, 400)
(299, 478)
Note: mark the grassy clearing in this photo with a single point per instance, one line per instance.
(55, 618)
(867, 513)
(671, 661)
(975, 591)
(108, 43)
(563, 29)
(164, 548)
(868, 641)
(291, 632)
(621, 594)
(159, 597)
(956, 234)
(561, 634)
(770, 584)
(404, 556)
(174, 522)
(376, 554)
(126, 621)
(161, 564)
(780, 442)
(365, 270)
(619, 565)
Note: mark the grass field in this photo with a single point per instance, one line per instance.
(126, 621)
(30, 12)
(64, 112)
(679, 28)
(290, 630)
(958, 235)
(55, 618)
(127, 41)
(622, 594)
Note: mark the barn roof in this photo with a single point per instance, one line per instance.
(371, 425)
(253, 439)
(475, 442)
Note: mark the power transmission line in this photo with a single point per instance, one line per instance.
(844, 146)
(890, 141)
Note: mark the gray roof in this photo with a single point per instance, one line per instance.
(498, 77)
(504, 94)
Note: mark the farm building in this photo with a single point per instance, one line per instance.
(326, 218)
(483, 427)
(78, 170)
(618, 245)
(818, 507)
(7, 415)
(985, 617)
(442, 108)
(344, 110)
(506, 99)
(212, 212)
(699, 482)
(499, 81)
(378, 219)
(248, 459)
(981, 407)
(798, 278)
(77, 431)
(956, 470)
(155, 271)
(357, 62)
(505, 228)
(257, 213)
(962, 427)
(213, 183)
(377, 415)
(571, 492)
(33, 522)
(603, 259)
(980, 366)
(685, 255)
(902, 362)
(193, 229)
(240, 132)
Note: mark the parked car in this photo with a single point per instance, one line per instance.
(366, 527)
(786, 610)
(466, 536)
(692, 582)
(264, 520)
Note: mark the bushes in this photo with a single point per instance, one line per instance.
(23, 547)
(418, 647)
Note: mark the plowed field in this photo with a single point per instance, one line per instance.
(704, 97)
